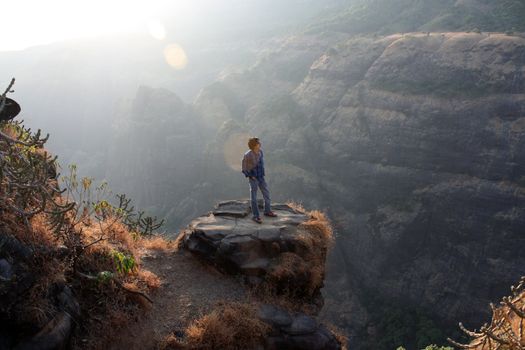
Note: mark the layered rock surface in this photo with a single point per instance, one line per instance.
(287, 253)
(282, 251)
(295, 330)
(412, 142)
(415, 143)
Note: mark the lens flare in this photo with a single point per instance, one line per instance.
(175, 56)
(234, 148)
(157, 29)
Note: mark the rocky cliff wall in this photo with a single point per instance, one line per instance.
(411, 142)
(414, 143)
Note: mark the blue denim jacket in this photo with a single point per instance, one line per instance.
(258, 170)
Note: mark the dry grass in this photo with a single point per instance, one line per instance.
(341, 338)
(171, 342)
(9, 130)
(105, 320)
(158, 243)
(296, 206)
(36, 307)
(290, 271)
(106, 308)
(100, 330)
(320, 227)
(14, 224)
(229, 326)
(179, 241)
(505, 326)
(149, 279)
(115, 236)
(40, 232)
(301, 273)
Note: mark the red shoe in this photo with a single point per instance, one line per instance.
(257, 220)
(271, 213)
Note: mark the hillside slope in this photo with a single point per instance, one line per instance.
(276, 268)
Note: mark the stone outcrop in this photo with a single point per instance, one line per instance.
(286, 254)
(284, 251)
(415, 143)
(295, 331)
(424, 146)
(17, 276)
(10, 109)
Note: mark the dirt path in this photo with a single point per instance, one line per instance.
(189, 288)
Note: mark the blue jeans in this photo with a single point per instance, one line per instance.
(253, 195)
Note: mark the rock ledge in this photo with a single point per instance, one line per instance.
(287, 251)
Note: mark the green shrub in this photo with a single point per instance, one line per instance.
(124, 263)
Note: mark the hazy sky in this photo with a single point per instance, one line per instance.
(32, 22)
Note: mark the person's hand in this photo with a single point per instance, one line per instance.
(252, 177)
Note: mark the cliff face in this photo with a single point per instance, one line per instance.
(159, 134)
(414, 142)
(398, 16)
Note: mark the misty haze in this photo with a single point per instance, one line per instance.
(262, 174)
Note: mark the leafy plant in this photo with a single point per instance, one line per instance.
(138, 222)
(27, 172)
(124, 263)
(94, 204)
(104, 276)
(29, 185)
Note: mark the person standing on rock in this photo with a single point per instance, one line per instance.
(253, 169)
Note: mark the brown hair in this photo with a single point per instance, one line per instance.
(252, 142)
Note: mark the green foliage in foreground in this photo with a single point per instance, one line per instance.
(124, 263)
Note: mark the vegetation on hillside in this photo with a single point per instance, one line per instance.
(393, 16)
(71, 237)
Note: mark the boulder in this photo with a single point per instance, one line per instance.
(295, 330)
(283, 251)
(9, 110)
(17, 277)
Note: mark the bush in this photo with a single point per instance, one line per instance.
(229, 326)
(77, 239)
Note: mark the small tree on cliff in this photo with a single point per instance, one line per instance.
(506, 329)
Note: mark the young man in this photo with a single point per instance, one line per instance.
(253, 168)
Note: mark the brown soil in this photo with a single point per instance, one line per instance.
(189, 289)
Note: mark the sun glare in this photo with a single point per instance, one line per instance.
(34, 22)
(175, 56)
(157, 29)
